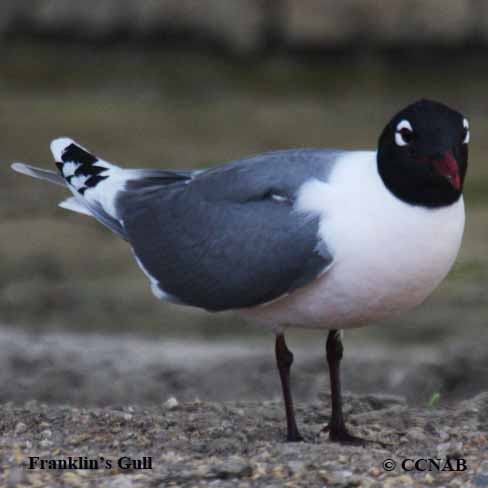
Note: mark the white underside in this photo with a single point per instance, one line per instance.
(388, 255)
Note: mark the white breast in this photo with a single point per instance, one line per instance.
(388, 255)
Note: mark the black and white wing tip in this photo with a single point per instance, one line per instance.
(81, 169)
(61, 145)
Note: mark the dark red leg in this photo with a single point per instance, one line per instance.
(337, 427)
(284, 360)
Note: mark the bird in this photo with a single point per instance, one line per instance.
(312, 237)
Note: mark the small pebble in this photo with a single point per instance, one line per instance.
(20, 428)
(233, 468)
(429, 479)
(416, 434)
(297, 467)
(45, 443)
(375, 471)
(455, 483)
(443, 448)
(120, 481)
(340, 478)
(171, 403)
(444, 435)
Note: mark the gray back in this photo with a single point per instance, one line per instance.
(229, 237)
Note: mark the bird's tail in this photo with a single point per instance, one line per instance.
(93, 182)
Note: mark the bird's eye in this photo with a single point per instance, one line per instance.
(404, 133)
(466, 131)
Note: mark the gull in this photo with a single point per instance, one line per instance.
(318, 238)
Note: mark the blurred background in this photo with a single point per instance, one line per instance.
(188, 84)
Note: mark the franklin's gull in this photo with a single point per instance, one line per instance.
(320, 238)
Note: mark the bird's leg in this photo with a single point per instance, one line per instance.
(337, 427)
(284, 360)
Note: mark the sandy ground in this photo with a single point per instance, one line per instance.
(211, 415)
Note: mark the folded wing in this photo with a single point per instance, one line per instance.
(229, 237)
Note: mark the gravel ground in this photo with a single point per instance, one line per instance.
(241, 444)
(106, 399)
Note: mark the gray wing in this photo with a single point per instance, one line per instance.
(228, 237)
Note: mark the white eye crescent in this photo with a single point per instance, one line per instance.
(466, 131)
(403, 133)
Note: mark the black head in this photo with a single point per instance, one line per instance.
(423, 154)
